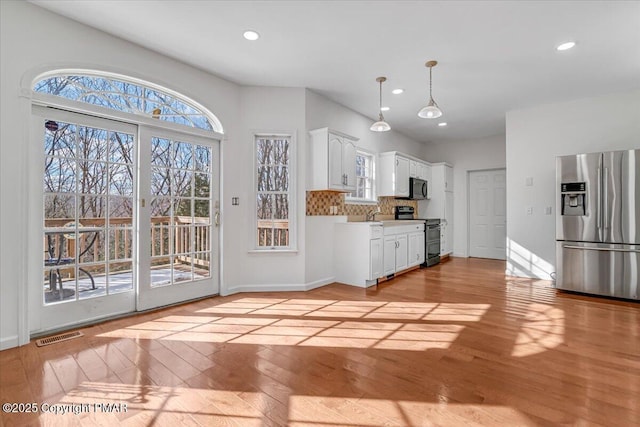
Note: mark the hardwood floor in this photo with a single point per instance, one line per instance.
(456, 344)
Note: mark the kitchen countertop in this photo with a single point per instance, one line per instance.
(388, 222)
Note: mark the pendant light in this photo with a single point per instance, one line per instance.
(380, 125)
(431, 111)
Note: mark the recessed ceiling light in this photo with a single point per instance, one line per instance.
(251, 35)
(397, 91)
(442, 124)
(385, 109)
(566, 46)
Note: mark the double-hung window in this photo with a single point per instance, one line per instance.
(365, 178)
(275, 213)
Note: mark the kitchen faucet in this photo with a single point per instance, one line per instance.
(371, 215)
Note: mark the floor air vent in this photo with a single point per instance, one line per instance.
(58, 338)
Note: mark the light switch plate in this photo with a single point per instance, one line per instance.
(529, 210)
(548, 210)
(528, 181)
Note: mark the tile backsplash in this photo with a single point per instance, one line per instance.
(320, 203)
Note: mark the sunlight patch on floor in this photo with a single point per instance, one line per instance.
(543, 329)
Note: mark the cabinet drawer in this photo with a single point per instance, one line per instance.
(401, 229)
(376, 232)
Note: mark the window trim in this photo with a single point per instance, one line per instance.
(293, 214)
(374, 197)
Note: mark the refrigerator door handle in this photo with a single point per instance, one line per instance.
(599, 201)
(605, 200)
(601, 249)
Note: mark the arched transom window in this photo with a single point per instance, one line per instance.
(126, 96)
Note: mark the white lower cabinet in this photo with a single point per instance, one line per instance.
(375, 259)
(389, 256)
(403, 247)
(416, 249)
(358, 253)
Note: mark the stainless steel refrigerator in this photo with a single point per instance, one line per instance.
(598, 223)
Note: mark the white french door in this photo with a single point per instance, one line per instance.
(178, 207)
(123, 220)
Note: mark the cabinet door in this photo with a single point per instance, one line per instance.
(375, 259)
(389, 255)
(421, 247)
(336, 178)
(413, 249)
(402, 177)
(416, 248)
(448, 178)
(448, 216)
(422, 171)
(402, 252)
(413, 169)
(349, 163)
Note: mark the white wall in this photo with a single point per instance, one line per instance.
(465, 156)
(263, 109)
(535, 136)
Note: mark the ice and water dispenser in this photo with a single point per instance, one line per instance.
(574, 198)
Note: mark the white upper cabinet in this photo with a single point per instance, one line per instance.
(332, 161)
(448, 178)
(395, 170)
(402, 177)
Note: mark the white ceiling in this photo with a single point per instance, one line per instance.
(494, 56)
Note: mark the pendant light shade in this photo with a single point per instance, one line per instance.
(380, 125)
(431, 111)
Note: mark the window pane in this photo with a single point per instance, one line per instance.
(181, 182)
(93, 177)
(121, 148)
(58, 206)
(160, 152)
(124, 96)
(183, 155)
(92, 143)
(60, 139)
(203, 158)
(201, 185)
(59, 175)
(92, 207)
(121, 180)
(281, 206)
(264, 206)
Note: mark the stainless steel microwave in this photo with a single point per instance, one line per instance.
(418, 189)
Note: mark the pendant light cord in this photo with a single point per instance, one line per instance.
(430, 82)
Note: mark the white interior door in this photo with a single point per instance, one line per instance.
(178, 230)
(83, 215)
(487, 214)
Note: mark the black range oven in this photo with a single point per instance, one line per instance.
(431, 230)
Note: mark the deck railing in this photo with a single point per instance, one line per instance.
(191, 239)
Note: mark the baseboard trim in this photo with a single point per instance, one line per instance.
(8, 342)
(281, 288)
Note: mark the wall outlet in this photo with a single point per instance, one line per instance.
(548, 210)
(529, 210)
(235, 201)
